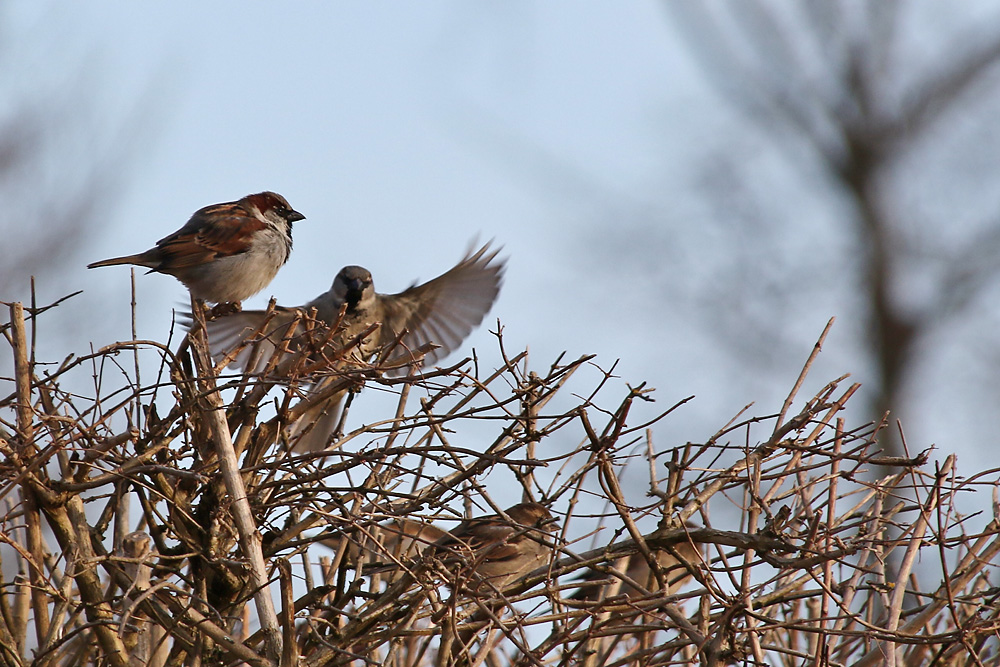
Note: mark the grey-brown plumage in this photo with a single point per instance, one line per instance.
(490, 553)
(596, 585)
(442, 311)
(397, 540)
(226, 252)
(485, 557)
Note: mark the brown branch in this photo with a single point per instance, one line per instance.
(250, 538)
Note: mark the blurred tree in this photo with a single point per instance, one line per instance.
(882, 113)
(61, 154)
(52, 198)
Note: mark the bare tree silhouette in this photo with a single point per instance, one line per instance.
(896, 143)
(61, 156)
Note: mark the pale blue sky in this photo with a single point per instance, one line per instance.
(402, 131)
(399, 132)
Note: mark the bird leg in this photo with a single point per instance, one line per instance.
(223, 309)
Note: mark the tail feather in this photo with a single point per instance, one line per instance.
(226, 333)
(137, 260)
(323, 418)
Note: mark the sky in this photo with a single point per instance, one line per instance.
(403, 131)
(399, 132)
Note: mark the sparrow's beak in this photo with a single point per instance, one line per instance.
(355, 286)
(295, 216)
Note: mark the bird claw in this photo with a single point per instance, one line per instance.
(224, 309)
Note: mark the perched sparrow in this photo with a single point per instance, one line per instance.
(486, 556)
(225, 252)
(491, 553)
(596, 585)
(399, 539)
(442, 311)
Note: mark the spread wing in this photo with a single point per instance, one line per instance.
(219, 230)
(227, 333)
(446, 309)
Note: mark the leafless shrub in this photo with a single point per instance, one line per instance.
(165, 523)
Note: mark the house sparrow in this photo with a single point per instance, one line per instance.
(399, 539)
(226, 252)
(442, 311)
(492, 552)
(486, 556)
(596, 585)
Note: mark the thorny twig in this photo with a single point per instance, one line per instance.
(768, 539)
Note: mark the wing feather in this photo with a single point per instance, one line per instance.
(227, 333)
(446, 309)
(197, 242)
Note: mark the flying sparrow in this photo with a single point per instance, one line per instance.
(442, 311)
(226, 252)
(492, 552)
